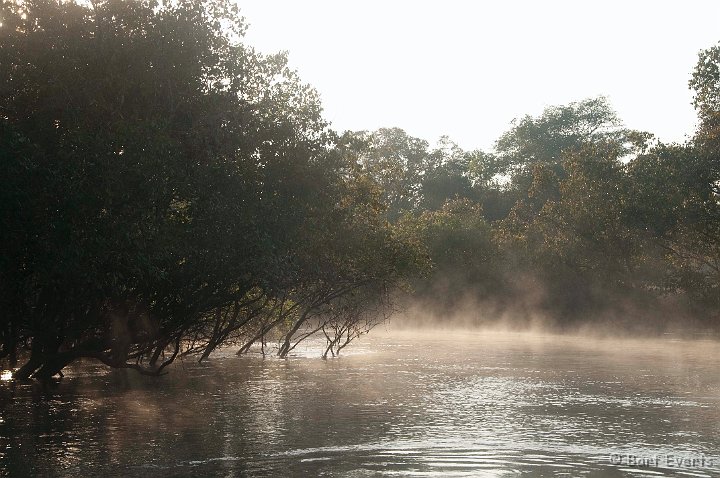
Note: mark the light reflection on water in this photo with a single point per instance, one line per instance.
(398, 405)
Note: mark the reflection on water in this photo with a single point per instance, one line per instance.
(398, 404)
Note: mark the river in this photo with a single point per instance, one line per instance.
(434, 403)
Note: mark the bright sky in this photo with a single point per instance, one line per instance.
(467, 68)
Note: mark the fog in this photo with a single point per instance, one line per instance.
(530, 314)
(432, 402)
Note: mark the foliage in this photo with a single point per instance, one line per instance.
(164, 184)
(412, 176)
(460, 247)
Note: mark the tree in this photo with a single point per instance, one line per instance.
(412, 175)
(393, 159)
(558, 131)
(705, 83)
(161, 179)
(548, 140)
(462, 253)
(675, 199)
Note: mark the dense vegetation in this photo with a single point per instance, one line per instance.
(168, 190)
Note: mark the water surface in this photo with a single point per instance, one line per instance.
(397, 404)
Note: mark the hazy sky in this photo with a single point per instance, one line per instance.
(467, 68)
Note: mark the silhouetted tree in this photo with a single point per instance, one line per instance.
(164, 181)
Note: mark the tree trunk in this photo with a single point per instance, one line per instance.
(33, 363)
(285, 348)
(53, 366)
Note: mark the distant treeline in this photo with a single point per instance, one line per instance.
(168, 190)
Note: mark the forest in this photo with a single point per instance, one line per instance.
(169, 190)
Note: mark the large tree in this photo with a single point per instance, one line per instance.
(158, 172)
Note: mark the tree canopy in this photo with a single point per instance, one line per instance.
(163, 184)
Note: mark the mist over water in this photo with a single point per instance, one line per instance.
(534, 311)
(399, 403)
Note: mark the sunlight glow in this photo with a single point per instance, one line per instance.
(466, 69)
